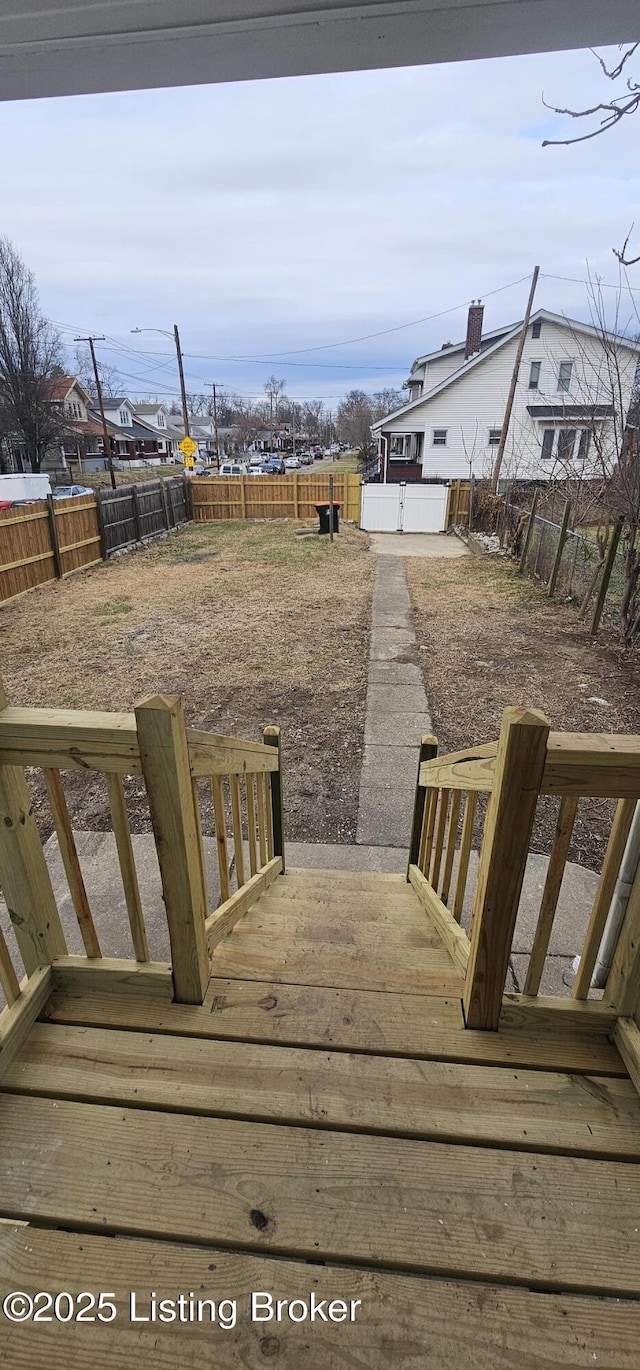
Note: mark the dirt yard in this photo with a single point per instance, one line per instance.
(490, 638)
(250, 624)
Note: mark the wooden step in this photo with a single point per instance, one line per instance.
(548, 1222)
(340, 929)
(481, 1105)
(404, 1322)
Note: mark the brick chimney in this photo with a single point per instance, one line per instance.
(474, 329)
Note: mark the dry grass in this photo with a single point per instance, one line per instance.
(490, 638)
(101, 479)
(249, 623)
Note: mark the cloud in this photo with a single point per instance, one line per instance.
(286, 214)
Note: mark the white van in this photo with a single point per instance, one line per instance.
(233, 468)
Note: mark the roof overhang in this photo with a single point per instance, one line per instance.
(583, 412)
(99, 45)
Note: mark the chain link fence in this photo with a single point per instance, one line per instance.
(577, 570)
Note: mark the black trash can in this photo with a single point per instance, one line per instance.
(324, 516)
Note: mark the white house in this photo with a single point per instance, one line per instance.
(572, 397)
(157, 416)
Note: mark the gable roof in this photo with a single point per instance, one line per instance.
(501, 341)
(61, 386)
(487, 338)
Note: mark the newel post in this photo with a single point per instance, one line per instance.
(428, 750)
(519, 768)
(271, 736)
(164, 753)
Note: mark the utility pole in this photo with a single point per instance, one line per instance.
(514, 381)
(105, 431)
(185, 410)
(213, 385)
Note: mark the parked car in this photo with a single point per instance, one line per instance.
(256, 459)
(233, 468)
(68, 491)
(274, 467)
(305, 458)
(292, 463)
(258, 471)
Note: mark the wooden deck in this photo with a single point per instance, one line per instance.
(322, 1122)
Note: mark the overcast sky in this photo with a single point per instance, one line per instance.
(274, 216)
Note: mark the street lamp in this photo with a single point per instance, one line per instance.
(176, 338)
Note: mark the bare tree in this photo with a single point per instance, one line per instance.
(385, 401)
(355, 415)
(274, 390)
(110, 378)
(30, 357)
(611, 111)
(313, 417)
(607, 458)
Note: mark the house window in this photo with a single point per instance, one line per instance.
(536, 328)
(494, 437)
(565, 370)
(439, 437)
(161, 422)
(547, 443)
(124, 418)
(566, 443)
(534, 375)
(584, 444)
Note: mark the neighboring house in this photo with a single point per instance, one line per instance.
(81, 446)
(169, 435)
(135, 441)
(565, 403)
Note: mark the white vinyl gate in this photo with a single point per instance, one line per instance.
(404, 508)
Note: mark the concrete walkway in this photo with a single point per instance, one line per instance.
(438, 545)
(397, 714)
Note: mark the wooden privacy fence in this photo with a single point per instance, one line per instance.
(135, 512)
(50, 538)
(273, 497)
(174, 761)
(527, 761)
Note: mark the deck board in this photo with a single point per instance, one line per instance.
(342, 1020)
(405, 1322)
(529, 1110)
(551, 1222)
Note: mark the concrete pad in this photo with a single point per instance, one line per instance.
(392, 644)
(572, 914)
(396, 730)
(328, 856)
(417, 545)
(394, 673)
(557, 976)
(384, 823)
(408, 699)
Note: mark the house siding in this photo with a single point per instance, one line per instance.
(475, 403)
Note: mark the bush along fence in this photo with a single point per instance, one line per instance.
(569, 563)
(273, 497)
(49, 539)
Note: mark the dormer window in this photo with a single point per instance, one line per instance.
(161, 422)
(125, 418)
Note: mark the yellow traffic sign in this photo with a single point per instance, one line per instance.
(189, 463)
(188, 446)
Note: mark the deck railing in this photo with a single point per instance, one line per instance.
(486, 797)
(175, 762)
